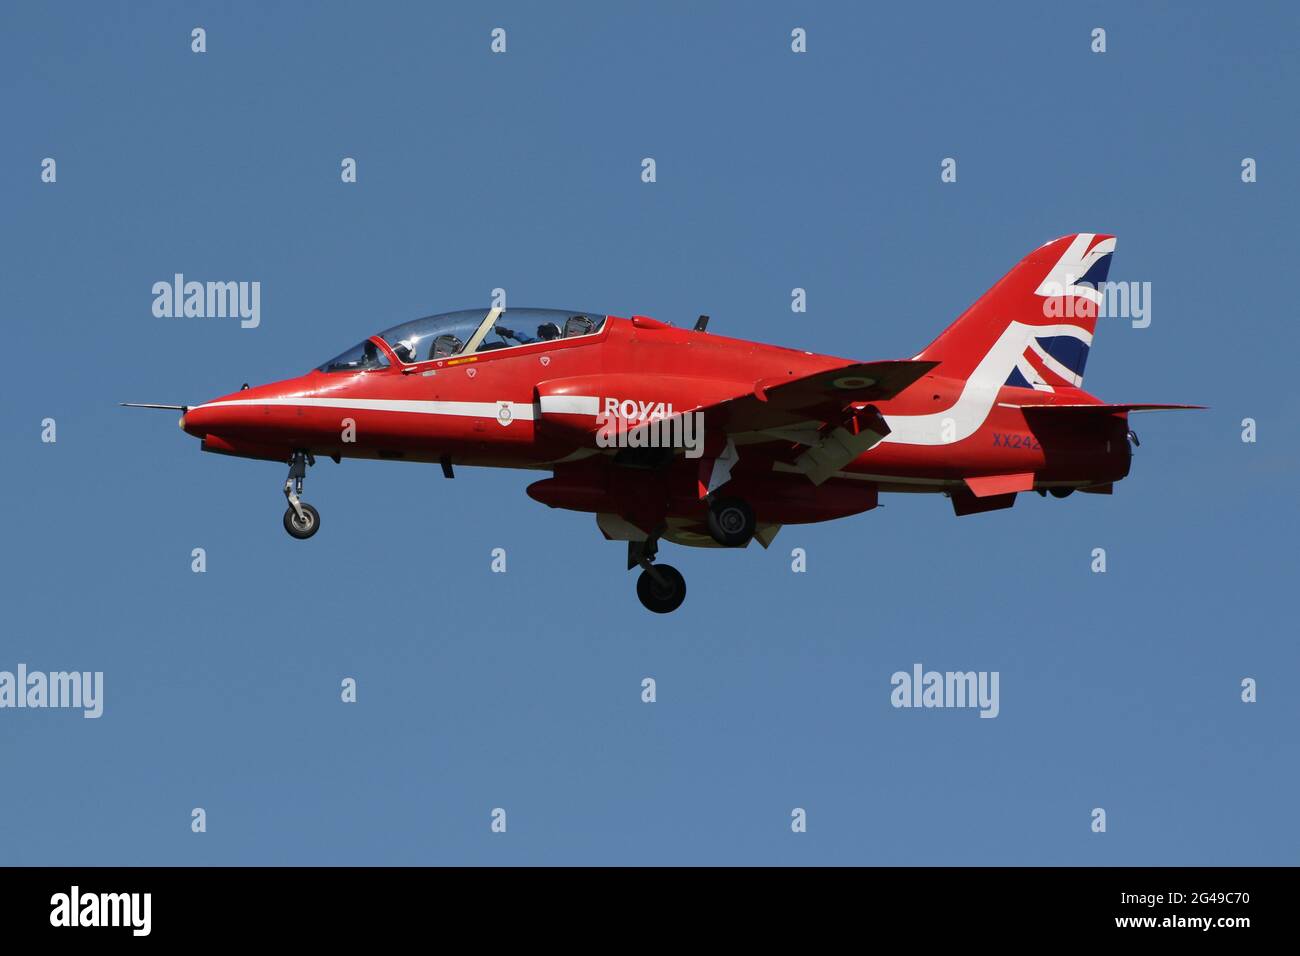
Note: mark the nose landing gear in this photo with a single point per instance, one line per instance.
(301, 520)
(661, 587)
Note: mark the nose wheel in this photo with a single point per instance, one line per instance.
(301, 520)
(302, 524)
(660, 587)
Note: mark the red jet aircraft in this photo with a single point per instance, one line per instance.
(673, 434)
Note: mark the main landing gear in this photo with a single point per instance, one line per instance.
(301, 520)
(730, 522)
(660, 587)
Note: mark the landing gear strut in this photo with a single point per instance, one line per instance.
(661, 587)
(301, 520)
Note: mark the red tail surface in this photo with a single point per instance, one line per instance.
(1034, 328)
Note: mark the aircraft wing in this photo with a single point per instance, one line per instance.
(829, 412)
(820, 397)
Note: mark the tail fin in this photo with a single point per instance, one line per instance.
(1034, 328)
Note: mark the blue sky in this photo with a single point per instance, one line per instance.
(522, 691)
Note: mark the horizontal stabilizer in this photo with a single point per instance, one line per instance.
(1104, 409)
(1107, 489)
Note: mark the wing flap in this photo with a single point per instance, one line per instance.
(860, 430)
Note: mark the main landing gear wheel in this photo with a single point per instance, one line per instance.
(301, 520)
(305, 526)
(1061, 492)
(730, 522)
(661, 588)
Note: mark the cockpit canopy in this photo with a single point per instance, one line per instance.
(366, 355)
(470, 331)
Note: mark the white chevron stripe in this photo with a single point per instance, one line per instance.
(972, 407)
(518, 410)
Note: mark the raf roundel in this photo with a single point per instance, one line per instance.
(853, 381)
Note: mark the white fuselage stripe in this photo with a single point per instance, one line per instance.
(518, 410)
(980, 391)
(570, 405)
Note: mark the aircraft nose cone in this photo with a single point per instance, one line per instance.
(257, 416)
(201, 420)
